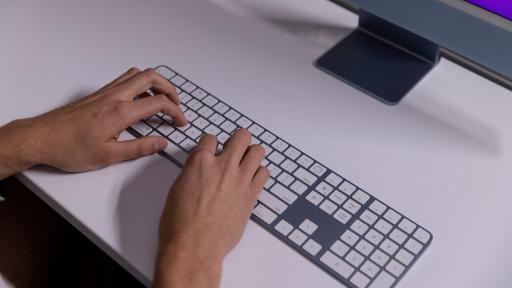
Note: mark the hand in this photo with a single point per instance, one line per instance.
(83, 135)
(207, 210)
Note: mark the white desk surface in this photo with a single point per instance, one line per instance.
(443, 157)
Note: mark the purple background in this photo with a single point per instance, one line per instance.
(500, 7)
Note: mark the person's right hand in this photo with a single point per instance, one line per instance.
(207, 210)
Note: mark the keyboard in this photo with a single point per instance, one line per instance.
(331, 221)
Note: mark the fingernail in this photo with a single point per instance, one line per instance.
(160, 145)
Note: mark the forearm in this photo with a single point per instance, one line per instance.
(15, 153)
(180, 268)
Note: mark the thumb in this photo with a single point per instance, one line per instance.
(132, 149)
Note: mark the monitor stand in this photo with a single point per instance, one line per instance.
(381, 59)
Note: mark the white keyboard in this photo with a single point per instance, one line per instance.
(329, 220)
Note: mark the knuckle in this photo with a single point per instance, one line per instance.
(150, 73)
(244, 134)
(133, 70)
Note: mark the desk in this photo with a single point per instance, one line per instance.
(443, 157)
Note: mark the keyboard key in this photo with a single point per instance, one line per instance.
(413, 246)
(199, 94)
(279, 145)
(142, 128)
(314, 198)
(338, 197)
(184, 128)
(201, 123)
(193, 133)
(369, 268)
(217, 119)
(255, 130)
(404, 256)
(392, 216)
(308, 226)
(154, 121)
(177, 80)
(267, 137)
(395, 268)
(336, 264)
(176, 152)
(324, 188)
(177, 137)
(333, 179)
(379, 257)
(221, 108)
(342, 216)
(305, 176)
(276, 157)
(351, 206)
(183, 108)
(364, 247)
(355, 258)
(165, 128)
(422, 235)
(383, 226)
(185, 97)
(374, 237)
(359, 227)
(298, 187)
(269, 183)
(272, 202)
(195, 104)
(188, 87)
(188, 144)
(388, 246)
(267, 148)
(264, 213)
(361, 197)
(312, 247)
(359, 280)
(284, 227)
(274, 170)
(292, 153)
(283, 193)
(305, 161)
(212, 130)
(328, 207)
(378, 207)
(339, 248)
(210, 100)
(398, 236)
(285, 178)
(205, 111)
(289, 166)
(368, 217)
(228, 126)
(384, 280)
(223, 137)
(347, 188)
(298, 237)
(349, 237)
(244, 122)
(190, 115)
(407, 226)
(165, 72)
(317, 169)
(232, 115)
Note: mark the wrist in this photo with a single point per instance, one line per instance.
(180, 265)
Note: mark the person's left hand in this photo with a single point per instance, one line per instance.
(83, 135)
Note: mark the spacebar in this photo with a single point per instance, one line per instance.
(176, 152)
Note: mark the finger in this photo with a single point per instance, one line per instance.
(208, 142)
(258, 182)
(149, 79)
(126, 75)
(237, 145)
(252, 159)
(132, 149)
(147, 106)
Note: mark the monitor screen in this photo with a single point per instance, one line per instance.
(499, 7)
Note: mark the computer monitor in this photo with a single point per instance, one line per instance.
(399, 41)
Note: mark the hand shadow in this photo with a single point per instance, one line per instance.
(138, 210)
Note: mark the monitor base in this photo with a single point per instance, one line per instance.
(380, 59)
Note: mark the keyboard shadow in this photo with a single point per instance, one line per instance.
(138, 210)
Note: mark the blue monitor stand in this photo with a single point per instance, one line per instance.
(381, 59)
